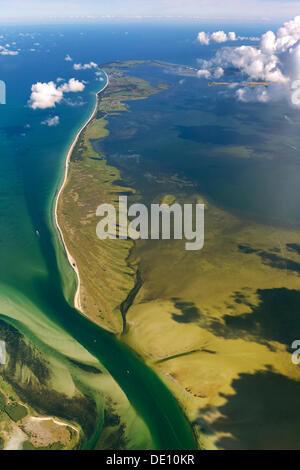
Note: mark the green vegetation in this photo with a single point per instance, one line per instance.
(15, 411)
(106, 276)
(36, 391)
(55, 446)
(2, 401)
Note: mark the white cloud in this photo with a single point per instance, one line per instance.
(48, 95)
(257, 94)
(51, 121)
(45, 95)
(204, 73)
(250, 61)
(91, 65)
(203, 38)
(219, 36)
(276, 60)
(218, 72)
(5, 51)
(268, 42)
(232, 36)
(72, 86)
(99, 76)
(68, 58)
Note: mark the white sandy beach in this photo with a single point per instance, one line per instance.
(70, 258)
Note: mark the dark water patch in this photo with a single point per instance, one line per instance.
(279, 262)
(216, 135)
(263, 413)
(275, 318)
(293, 247)
(189, 312)
(85, 367)
(241, 298)
(275, 250)
(273, 260)
(246, 249)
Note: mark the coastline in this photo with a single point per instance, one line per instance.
(71, 260)
(185, 427)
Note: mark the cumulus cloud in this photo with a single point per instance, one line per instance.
(216, 73)
(72, 86)
(91, 65)
(4, 50)
(204, 73)
(232, 36)
(45, 95)
(276, 60)
(48, 95)
(220, 36)
(51, 121)
(99, 76)
(257, 94)
(68, 58)
(203, 38)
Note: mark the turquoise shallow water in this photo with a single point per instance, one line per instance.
(31, 168)
(32, 162)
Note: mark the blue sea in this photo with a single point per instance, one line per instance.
(32, 159)
(32, 154)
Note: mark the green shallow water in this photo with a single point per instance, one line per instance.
(37, 285)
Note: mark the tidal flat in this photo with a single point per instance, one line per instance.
(210, 323)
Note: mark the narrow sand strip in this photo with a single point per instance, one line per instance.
(55, 420)
(70, 258)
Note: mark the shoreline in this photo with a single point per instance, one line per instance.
(71, 260)
(157, 380)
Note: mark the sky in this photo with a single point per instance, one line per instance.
(16, 11)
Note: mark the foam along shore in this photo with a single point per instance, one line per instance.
(71, 260)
